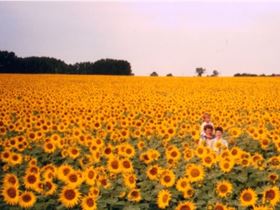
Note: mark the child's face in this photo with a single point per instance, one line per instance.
(207, 119)
(219, 134)
(208, 132)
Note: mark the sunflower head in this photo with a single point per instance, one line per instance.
(248, 197)
(163, 198)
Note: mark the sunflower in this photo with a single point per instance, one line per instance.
(200, 151)
(219, 206)
(49, 147)
(10, 194)
(73, 152)
(195, 172)
(261, 207)
(235, 152)
(271, 195)
(188, 153)
(208, 160)
(153, 172)
(94, 192)
(182, 184)
(167, 178)
(129, 151)
(27, 199)
(63, 171)
(186, 205)
(140, 145)
(108, 151)
(39, 187)
(163, 198)
(149, 156)
(88, 203)
(15, 159)
(173, 153)
(69, 196)
(189, 192)
(274, 162)
(134, 195)
(114, 165)
(49, 187)
(33, 169)
(126, 165)
(74, 179)
(31, 181)
(264, 143)
(10, 179)
(248, 197)
(154, 154)
(245, 162)
(104, 181)
(223, 188)
(5, 155)
(48, 175)
(235, 132)
(129, 180)
(90, 175)
(273, 177)
(226, 165)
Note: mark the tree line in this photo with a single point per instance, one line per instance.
(11, 63)
(255, 75)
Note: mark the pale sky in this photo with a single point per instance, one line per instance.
(166, 37)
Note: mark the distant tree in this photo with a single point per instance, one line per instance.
(169, 75)
(215, 73)
(154, 74)
(111, 66)
(10, 63)
(245, 75)
(200, 71)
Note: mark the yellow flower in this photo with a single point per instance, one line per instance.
(49, 187)
(90, 176)
(195, 172)
(182, 184)
(167, 178)
(88, 203)
(10, 179)
(74, 179)
(126, 165)
(248, 197)
(49, 147)
(27, 199)
(130, 180)
(10, 194)
(186, 205)
(31, 180)
(226, 165)
(153, 172)
(223, 188)
(69, 196)
(163, 198)
(134, 195)
(271, 195)
(114, 165)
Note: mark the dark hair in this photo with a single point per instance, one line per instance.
(208, 127)
(219, 129)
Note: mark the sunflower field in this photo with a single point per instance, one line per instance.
(124, 142)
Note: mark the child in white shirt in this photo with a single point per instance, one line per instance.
(218, 143)
(208, 137)
(206, 121)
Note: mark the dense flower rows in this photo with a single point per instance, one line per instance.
(101, 142)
